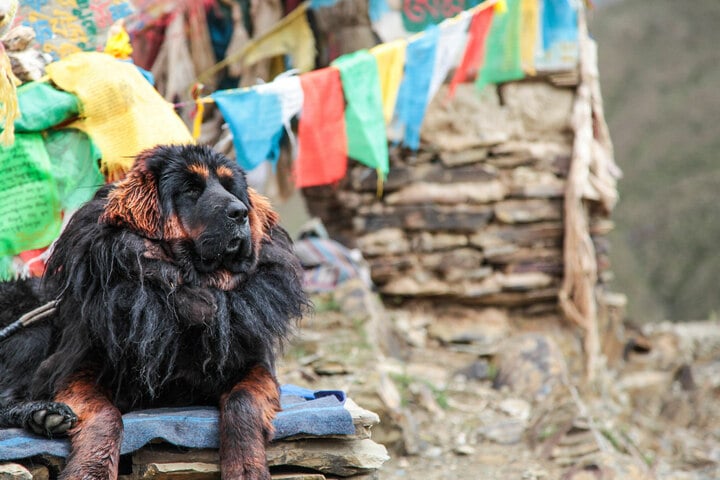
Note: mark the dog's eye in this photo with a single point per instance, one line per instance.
(228, 184)
(192, 191)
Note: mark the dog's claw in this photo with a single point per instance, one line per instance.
(52, 419)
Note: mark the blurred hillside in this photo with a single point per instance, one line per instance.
(660, 73)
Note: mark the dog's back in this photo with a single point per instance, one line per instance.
(21, 352)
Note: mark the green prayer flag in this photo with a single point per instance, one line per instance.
(74, 163)
(29, 204)
(364, 120)
(43, 106)
(503, 58)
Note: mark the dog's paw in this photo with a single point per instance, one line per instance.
(51, 419)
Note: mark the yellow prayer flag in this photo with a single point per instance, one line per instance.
(290, 36)
(528, 34)
(390, 59)
(120, 110)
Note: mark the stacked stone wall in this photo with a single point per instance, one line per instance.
(476, 215)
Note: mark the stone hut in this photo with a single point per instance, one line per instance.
(505, 206)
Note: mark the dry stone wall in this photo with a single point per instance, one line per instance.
(476, 215)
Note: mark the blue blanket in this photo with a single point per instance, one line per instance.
(303, 412)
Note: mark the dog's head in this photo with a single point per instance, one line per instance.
(196, 201)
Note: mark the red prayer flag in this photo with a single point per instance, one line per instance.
(475, 49)
(322, 142)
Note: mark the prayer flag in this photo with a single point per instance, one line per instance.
(417, 15)
(557, 48)
(529, 34)
(503, 62)
(255, 120)
(367, 141)
(413, 96)
(43, 106)
(560, 22)
(290, 36)
(453, 36)
(121, 111)
(29, 205)
(74, 163)
(289, 91)
(322, 141)
(475, 49)
(390, 58)
(377, 9)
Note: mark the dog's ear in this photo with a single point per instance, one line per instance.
(134, 202)
(262, 218)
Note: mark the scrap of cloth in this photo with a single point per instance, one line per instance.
(120, 110)
(304, 412)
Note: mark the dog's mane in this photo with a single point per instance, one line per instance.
(118, 309)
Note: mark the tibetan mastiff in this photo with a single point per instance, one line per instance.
(173, 287)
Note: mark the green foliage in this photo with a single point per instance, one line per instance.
(660, 75)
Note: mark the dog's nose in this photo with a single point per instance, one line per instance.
(237, 211)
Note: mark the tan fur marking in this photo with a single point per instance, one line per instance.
(173, 229)
(199, 169)
(246, 454)
(263, 388)
(261, 217)
(97, 436)
(223, 172)
(134, 202)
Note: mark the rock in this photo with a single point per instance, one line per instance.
(521, 282)
(696, 340)
(464, 450)
(343, 457)
(542, 110)
(530, 365)
(461, 192)
(487, 326)
(516, 408)
(477, 370)
(331, 367)
(363, 179)
(299, 476)
(387, 241)
(463, 157)
(13, 471)
(184, 470)
(431, 242)
(39, 472)
(610, 465)
(434, 218)
(508, 432)
(469, 120)
(526, 211)
(529, 183)
(519, 235)
(654, 383)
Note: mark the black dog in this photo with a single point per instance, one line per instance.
(174, 287)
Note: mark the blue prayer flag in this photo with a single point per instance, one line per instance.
(413, 95)
(255, 121)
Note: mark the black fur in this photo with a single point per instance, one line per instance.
(137, 309)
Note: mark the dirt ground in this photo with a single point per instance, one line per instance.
(657, 416)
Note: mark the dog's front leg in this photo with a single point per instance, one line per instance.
(246, 415)
(97, 436)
